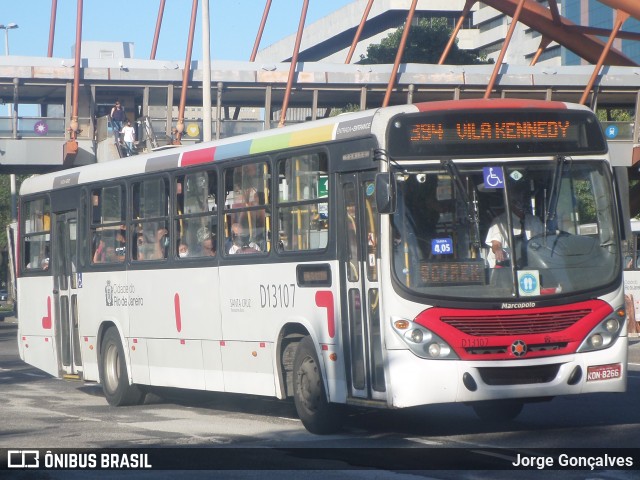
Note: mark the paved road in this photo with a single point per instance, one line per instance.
(38, 411)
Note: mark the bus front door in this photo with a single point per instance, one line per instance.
(65, 294)
(361, 329)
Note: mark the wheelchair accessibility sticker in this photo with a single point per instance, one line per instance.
(493, 177)
(529, 282)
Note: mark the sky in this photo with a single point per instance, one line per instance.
(234, 25)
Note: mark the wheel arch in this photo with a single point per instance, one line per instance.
(287, 343)
(102, 329)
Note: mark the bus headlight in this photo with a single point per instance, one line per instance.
(605, 333)
(422, 341)
(417, 336)
(596, 340)
(612, 325)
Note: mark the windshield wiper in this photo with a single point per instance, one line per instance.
(554, 195)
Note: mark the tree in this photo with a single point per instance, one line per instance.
(5, 219)
(425, 44)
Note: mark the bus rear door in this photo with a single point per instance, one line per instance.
(65, 284)
(361, 331)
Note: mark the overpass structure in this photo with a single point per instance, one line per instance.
(248, 96)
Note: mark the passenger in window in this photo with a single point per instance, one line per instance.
(139, 246)
(99, 250)
(207, 242)
(121, 244)
(241, 243)
(155, 250)
(183, 249)
(161, 244)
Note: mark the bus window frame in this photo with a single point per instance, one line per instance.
(39, 270)
(278, 204)
(224, 228)
(87, 225)
(175, 217)
(132, 223)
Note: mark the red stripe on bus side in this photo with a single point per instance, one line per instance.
(325, 299)
(176, 309)
(46, 321)
(195, 157)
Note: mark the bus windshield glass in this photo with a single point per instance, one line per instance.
(505, 230)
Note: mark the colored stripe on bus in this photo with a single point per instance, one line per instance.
(232, 150)
(268, 144)
(196, 157)
(313, 135)
(156, 164)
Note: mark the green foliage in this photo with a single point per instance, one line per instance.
(586, 204)
(5, 206)
(425, 44)
(615, 114)
(349, 108)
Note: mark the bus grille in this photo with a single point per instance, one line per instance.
(504, 349)
(515, 324)
(519, 375)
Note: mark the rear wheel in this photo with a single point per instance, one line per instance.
(498, 410)
(113, 373)
(316, 413)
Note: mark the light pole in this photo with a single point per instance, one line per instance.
(12, 176)
(6, 29)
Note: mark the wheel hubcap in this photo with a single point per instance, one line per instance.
(309, 383)
(112, 368)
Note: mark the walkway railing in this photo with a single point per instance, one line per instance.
(53, 127)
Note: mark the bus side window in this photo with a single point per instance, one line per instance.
(108, 229)
(150, 222)
(248, 208)
(196, 219)
(303, 208)
(36, 234)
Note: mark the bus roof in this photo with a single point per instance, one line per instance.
(340, 127)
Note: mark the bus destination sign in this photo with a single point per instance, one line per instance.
(500, 133)
(472, 131)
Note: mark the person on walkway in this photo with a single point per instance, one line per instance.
(129, 138)
(117, 120)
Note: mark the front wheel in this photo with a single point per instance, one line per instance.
(316, 413)
(113, 373)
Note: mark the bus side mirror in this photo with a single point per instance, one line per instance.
(386, 187)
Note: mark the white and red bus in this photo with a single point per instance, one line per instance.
(632, 278)
(346, 261)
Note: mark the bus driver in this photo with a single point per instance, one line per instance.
(498, 237)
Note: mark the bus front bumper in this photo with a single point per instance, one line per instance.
(418, 381)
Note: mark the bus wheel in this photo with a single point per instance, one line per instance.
(498, 410)
(316, 413)
(113, 373)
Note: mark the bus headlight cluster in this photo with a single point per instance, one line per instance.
(605, 333)
(422, 341)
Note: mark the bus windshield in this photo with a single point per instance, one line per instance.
(505, 230)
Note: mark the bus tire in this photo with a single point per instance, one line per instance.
(498, 410)
(113, 373)
(316, 413)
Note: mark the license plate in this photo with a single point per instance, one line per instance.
(604, 372)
